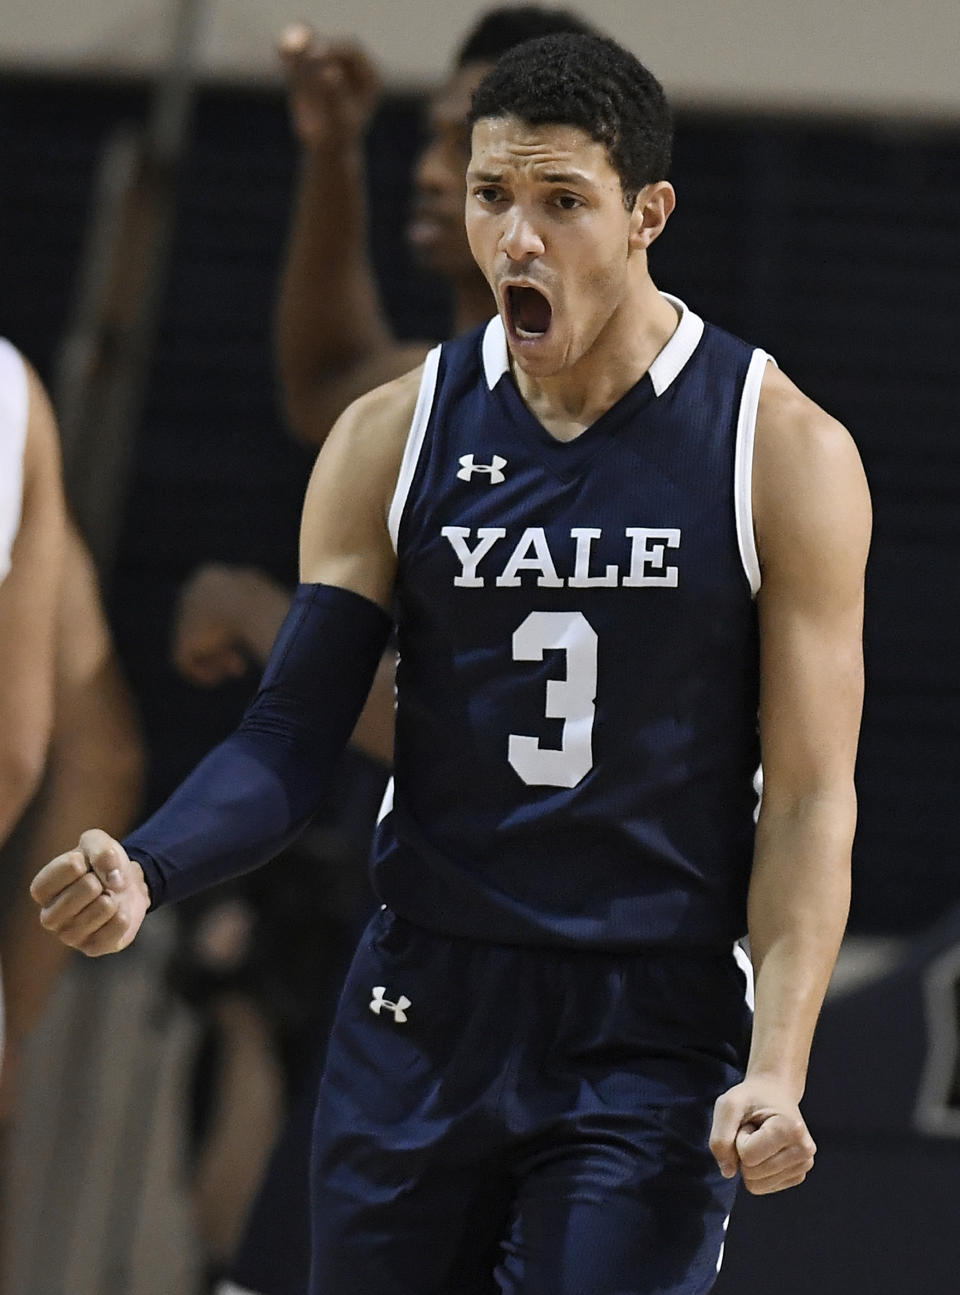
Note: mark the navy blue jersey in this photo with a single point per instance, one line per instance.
(577, 690)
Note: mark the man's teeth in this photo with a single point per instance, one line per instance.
(527, 334)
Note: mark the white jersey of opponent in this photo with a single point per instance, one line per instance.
(14, 404)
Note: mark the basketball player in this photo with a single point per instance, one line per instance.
(612, 537)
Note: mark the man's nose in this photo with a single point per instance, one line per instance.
(520, 238)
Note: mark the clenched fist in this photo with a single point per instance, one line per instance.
(758, 1129)
(333, 88)
(94, 898)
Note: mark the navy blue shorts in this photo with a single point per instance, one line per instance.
(495, 1118)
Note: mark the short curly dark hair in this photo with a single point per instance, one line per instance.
(508, 25)
(595, 84)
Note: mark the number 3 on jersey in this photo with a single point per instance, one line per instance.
(570, 699)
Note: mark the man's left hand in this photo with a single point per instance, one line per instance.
(758, 1129)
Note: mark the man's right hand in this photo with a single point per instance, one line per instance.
(333, 88)
(94, 898)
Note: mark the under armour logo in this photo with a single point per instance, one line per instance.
(468, 468)
(399, 1008)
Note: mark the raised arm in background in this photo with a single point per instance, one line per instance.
(333, 339)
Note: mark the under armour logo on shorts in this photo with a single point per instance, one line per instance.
(399, 1008)
(494, 469)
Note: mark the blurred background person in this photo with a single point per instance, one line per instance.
(32, 532)
(68, 730)
(94, 758)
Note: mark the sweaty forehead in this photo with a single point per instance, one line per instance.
(509, 143)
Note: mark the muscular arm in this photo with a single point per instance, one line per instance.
(333, 340)
(28, 600)
(812, 517)
(255, 791)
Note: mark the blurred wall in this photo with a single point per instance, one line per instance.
(856, 55)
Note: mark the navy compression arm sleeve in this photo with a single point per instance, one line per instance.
(253, 793)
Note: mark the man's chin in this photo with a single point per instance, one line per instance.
(540, 356)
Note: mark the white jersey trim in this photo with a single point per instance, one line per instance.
(664, 370)
(743, 468)
(723, 1244)
(386, 804)
(743, 960)
(14, 414)
(496, 355)
(411, 453)
(672, 360)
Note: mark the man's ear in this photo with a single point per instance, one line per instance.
(651, 211)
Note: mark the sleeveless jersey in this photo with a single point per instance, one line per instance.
(14, 402)
(576, 739)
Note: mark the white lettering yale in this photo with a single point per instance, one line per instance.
(534, 537)
(581, 578)
(645, 565)
(470, 558)
(646, 562)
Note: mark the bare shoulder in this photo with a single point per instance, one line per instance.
(39, 400)
(391, 402)
(369, 437)
(796, 436)
(809, 487)
(42, 449)
(344, 537)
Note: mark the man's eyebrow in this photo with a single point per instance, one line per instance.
(566, 177)
(575, 178)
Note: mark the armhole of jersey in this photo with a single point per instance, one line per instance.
(745, 963)
(386, 804)
(743, 468)
(411, 453)
(14, 415)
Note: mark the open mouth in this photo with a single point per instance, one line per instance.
(528, 312)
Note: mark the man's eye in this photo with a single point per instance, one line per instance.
(567, 202)
(488, 194)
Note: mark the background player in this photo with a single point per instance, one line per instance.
(69, 745)
(558, 909)
(32, 530)
(333, 339)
